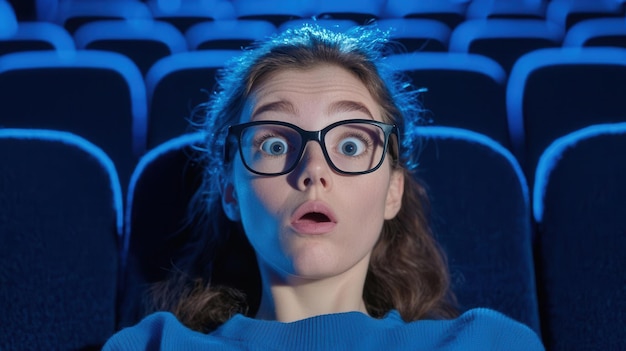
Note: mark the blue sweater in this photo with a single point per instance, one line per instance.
(477, 329)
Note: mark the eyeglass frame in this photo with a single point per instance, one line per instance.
(235, 133)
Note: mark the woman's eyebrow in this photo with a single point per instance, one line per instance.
(348, 106)
(276, 106)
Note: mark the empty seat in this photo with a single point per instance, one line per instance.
(567, 13)
(597, 32)
(552, 92)
(361, 11)
(60, 222)
(176, 85)
(417, 34)
(481, 216)
(450, 12)
(505, 40)
(277, 11)
(32, 36)
(97, 95)
(159, 227)
(143, 41)
(462, 90)
(227, 34)
(73, 14)
(579, 206)
(510, 9)
(185, 14)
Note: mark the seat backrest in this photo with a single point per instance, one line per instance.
(176, 85)
(277, 12)
(97, 95)
(361, 11)
(417, 34)
(597, 32)
(158, 227)
(143, 41)
(73, 14)
(60, 222)
(450, 12)
(505, 40)
(462, 90)
(579, 206)
(185, 14)
(31, 36)
(552, 92)
(227, 34)
(481, 217)
(510, 9)
(567, 13)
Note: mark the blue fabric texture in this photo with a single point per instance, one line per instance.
(478, 329)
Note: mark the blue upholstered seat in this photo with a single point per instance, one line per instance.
(185, 14)
(552, 92)
(567, 13)
(73, 14)
(449, 12)
(97, 95)
(359, 11)
(143, 41)
(60, 222)
(579, 205)
(417, 34)
(160, 232)
(276, 11)
(481, 215)
(227, 34)
(31, 36)
(176, 85)
(510, 9)
(462, 90)
(505, 40)
(597, 32)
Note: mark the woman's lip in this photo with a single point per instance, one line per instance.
(308, 226)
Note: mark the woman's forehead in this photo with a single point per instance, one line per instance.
(333, 87)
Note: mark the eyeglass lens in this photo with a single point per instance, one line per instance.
(273, 148)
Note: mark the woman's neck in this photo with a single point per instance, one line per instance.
(287, 299)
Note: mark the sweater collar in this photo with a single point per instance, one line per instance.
(319, 332)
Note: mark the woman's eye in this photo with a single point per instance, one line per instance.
(274, 146)
(351, 147)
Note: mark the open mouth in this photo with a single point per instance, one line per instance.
(314, 217)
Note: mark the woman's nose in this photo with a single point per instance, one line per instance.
(313, 169)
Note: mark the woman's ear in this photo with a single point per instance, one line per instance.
(394, 194)
(229, 202)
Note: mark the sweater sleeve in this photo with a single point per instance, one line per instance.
(495, 331)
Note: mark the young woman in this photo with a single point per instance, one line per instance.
(310, 141)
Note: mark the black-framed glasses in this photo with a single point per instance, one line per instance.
(272, 148)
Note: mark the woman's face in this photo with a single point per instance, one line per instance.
(313, 222)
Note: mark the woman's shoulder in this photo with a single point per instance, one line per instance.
(480, 329)
(159, 328)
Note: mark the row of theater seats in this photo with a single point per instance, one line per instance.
(72, 13)
(129, 86)
(91, 224)
(76, 259)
